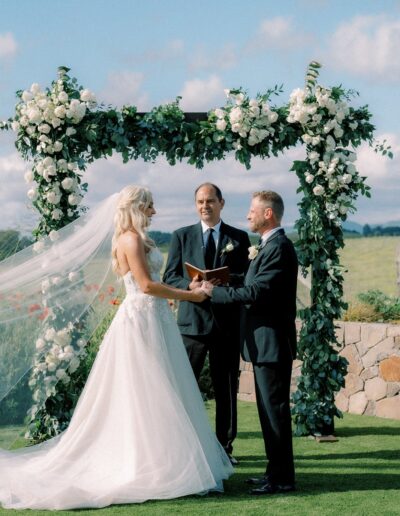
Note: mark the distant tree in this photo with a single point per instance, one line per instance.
(11, 241)
(160, 238)
(367, 231)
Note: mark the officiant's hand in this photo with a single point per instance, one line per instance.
(198, 295)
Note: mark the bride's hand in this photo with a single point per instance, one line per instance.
(198, 295)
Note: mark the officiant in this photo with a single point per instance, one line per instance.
(208, 328)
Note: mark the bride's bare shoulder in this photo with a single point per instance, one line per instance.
(129, 239)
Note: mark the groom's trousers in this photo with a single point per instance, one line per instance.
(272, 381)
(224, 357)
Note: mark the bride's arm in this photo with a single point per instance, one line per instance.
(133, 248)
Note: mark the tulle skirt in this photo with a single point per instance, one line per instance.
(139, 431)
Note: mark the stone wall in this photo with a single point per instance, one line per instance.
(373, 379)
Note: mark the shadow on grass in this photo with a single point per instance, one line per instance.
(348, 431)
(369, 455)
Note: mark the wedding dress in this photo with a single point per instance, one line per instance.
(139, 431)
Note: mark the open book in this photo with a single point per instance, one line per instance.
(222, 273)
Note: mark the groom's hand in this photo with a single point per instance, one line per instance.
(196, 282)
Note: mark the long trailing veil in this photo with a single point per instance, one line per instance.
(53, 295)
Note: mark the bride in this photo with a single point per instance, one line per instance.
(140, 430)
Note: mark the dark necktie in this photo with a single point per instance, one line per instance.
(210, 250)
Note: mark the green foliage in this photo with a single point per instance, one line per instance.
(386, 307)
(11, 241)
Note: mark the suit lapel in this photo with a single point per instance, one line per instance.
(198, 249)
(266, 245)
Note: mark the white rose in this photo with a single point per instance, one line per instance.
(68, 183)
(55, 122)
(38, 246)
(44, 138)
(272, 117)
(74, 199)
(15, 126)
(229, 247)
(306, 138)
(60, 111)
(45, 285)
(347, 178)
(34, 115)
(48, 161)
(221, 124)
(56, 280)
(32, 194)
(343, 209)
(81, 343)
(50, 334)
(62, 96)
(227, 92)
(40, 343)
(87, 96)
(309, 178)
(53, 236)
(57, 146)
(315, 140)
(27, 96)
(28, 176)
(43, 103)
(56, 214)
(235, 115)
(313, 156)
(44, 128)
(72, 276)
(253, 252)
(237, 145)
(35, 88)
(24, 121)
(53, 197)
(255, 111)
(72, 166)
(318, 190)
(70, 131)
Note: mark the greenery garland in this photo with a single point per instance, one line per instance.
(63, 129)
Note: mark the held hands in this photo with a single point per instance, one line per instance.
(207, 286)
(198, 295)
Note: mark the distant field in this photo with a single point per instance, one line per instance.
(371, 264)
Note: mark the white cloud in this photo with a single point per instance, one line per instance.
(368, 46)
(215, 59)
(278, 33)
(8, 45)
(125, 88)
(383, 177)
(16, 211)
(202, 95)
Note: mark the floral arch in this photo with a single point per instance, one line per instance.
(62, 129)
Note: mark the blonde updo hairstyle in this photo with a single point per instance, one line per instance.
(130, 216)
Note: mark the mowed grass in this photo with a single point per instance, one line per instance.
(358, 475)
(371, 265)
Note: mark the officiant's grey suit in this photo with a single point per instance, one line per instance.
(206, 327)
(268, 336)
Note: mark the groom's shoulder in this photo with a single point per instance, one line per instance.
(184, 230)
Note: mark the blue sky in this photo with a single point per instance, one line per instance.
(148, 52)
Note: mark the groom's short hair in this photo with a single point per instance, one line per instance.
(272, 200)
(218, 192)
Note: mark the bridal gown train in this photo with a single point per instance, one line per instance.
(140, 430)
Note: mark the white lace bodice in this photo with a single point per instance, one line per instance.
(136, 300)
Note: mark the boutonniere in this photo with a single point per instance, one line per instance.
(228, 248)
(254, 250)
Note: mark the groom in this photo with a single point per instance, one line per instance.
(268, 300)
(206, 328)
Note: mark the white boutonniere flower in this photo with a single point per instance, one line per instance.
(228, 248)
(253, 251)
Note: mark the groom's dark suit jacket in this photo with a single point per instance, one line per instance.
(187, 246)
(268, 299)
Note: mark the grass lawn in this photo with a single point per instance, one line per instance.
(358, 475)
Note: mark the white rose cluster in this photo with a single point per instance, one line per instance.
(56, 360)
(251, 119)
